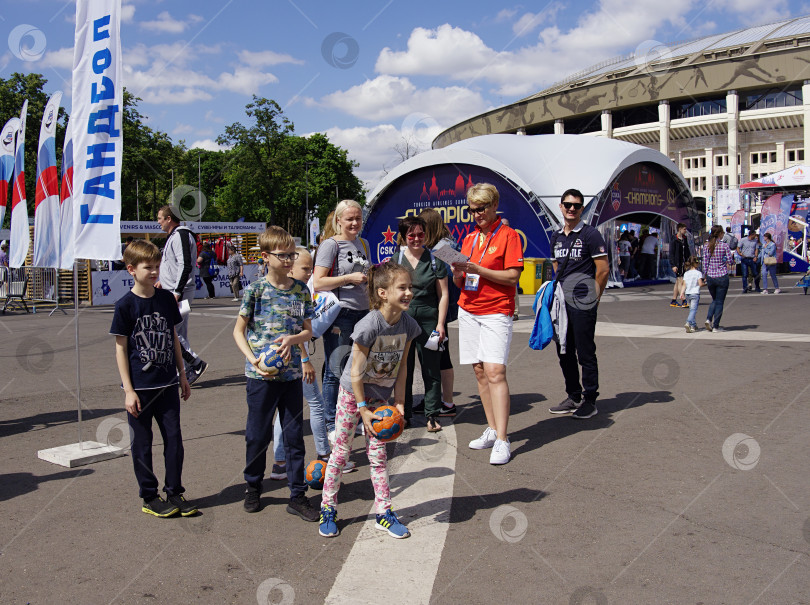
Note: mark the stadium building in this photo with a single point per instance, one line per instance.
(726, 109)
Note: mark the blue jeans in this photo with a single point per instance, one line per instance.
(770, 270)
(337, 348)
(694, 300)
(316, 422)
(718, 287)
(749, 264)
(264, 397)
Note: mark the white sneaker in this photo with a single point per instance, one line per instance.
(331, 436)
(501, 452)
(777, 291)
(486, 440)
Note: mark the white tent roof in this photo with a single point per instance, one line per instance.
(795, 176)
(545, 165)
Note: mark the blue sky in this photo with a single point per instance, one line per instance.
(369, 74)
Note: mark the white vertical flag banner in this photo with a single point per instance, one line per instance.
(66, 203)
(7, 140)
(98, 139)
(46, 196)
(314, 230)
(20, 234)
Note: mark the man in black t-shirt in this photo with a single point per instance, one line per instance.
(581, 264)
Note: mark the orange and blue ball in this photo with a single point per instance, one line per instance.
(391, 425)
(315, 474)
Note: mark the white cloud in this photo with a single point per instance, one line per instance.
(172, 96)
(452, 52)
(266, 57)
(387, 97)
(528, 22)
(210, 117)
(208, 145)
(58, 59)
(183, 129)
(506, 14)
(167, 24)
(127, 13)
(754, 12)
(245, 80)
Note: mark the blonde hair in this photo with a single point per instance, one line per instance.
(275, 238)
(328, 227)
(435, 227)
(382, 276)
(140, 251)
(303, 251)
(483, 193)
(342, 206)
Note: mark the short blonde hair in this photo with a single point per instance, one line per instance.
(483, 193)
(342, 206)
(140, 251)
(275, 238)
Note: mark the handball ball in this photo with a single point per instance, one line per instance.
(270, 361)
(315, 473)
(390, 427)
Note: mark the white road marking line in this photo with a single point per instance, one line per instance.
(422, 492)
(645, 331)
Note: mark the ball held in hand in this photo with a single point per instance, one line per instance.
(391, 425)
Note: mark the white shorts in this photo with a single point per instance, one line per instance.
(484, 338)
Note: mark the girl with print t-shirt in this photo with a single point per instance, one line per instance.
(375, 369)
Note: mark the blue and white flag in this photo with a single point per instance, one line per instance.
(98, 139)
(66, 203)
(7, 142)
(20, 233)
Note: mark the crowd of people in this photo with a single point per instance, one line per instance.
(388, 314)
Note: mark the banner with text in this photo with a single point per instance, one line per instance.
(46, 194)
(97, 129)
(7, 140)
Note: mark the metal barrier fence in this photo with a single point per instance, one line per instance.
(24, 285)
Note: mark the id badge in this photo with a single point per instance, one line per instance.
(471, 283)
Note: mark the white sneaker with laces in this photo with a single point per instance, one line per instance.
(486, 440)
(501, 452)
(777, 291)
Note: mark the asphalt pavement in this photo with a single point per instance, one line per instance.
(689, 486)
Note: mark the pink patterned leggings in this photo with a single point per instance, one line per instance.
(346, 420)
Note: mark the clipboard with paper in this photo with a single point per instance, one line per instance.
(444, 251)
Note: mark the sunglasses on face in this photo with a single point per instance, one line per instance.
(572, 205)
(477, 210)
(285, 256)
(419, 235)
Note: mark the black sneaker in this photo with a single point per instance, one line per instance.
(566, 406)
(252, 501)
(419, 408)
(187, 509)
(299, 505)
(586, 410)
(196, 371)
(448, 410)
(158, 507)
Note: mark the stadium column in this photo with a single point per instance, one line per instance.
(806, 97)
(663, 127)
(559, 127)
(733, 125)
(607, 124)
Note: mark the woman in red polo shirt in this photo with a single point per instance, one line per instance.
(486, 306)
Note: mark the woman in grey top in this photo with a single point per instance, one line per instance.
(341, 265)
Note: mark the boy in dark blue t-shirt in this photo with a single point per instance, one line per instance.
(150, 363)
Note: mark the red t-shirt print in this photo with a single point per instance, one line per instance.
(504, 250)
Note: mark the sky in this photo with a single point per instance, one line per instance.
(370, 75)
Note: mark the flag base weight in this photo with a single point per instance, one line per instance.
(79, 454)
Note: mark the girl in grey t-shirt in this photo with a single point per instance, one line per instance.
(377, 367)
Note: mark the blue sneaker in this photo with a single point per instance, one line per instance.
(389, 522)
(328, 527)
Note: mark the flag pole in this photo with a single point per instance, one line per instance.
(78, 357)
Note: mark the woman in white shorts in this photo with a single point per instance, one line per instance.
(486, 306)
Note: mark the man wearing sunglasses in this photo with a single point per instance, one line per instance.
(581, 265)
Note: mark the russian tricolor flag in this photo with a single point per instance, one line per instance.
(46, 199)
(7, 141)
(66, 204)
(20, 234)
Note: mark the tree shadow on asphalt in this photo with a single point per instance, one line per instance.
(13, 485)
(557, 427)
(46, 420)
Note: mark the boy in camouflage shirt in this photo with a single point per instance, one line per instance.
(275, 310)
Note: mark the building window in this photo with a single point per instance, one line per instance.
(688, 163)
(754, 158)
(763, 158)
(703, 162)
(791, 156)
(703, 183)
(772, 157)
(800, 155)
(725, 181)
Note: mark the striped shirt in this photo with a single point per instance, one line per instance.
(717, 264)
